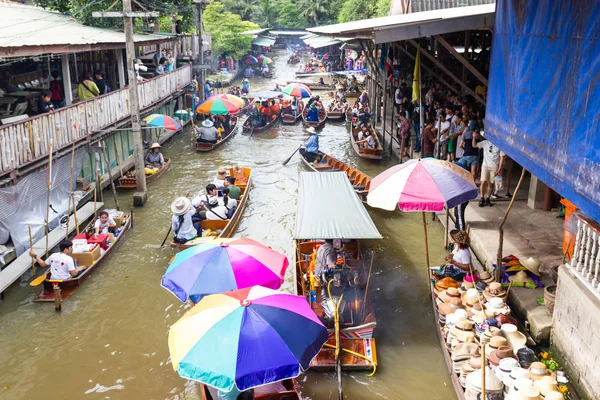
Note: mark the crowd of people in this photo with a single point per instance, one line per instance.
(212, 128)
(264, 112)
(218, 202)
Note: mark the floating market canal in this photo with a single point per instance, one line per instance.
(110, 341)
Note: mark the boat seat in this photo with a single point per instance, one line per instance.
(359, 187)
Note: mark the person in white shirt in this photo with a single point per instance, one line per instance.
(493, 159)
(219, 180)
(214, 211)
(460, 256)
(103, 223)
(398, 98)
(444, 129)
(61, 264)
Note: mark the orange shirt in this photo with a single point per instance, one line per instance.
(265, 110)
(275, 109)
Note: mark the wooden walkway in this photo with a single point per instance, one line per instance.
(18, 267)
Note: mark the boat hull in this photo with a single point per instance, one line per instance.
(131, 182)
(291, 392)
(370, 154)
(248, 129)
(204, 147)
(314, 124)
(288, 119)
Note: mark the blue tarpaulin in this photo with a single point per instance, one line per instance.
(543, 104)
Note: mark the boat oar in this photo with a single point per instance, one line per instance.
(170, 228)
(37, 281)
(290, 157)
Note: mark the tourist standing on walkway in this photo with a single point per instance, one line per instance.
(87, 88)
(429, 138)
(170, 66)
(493, 159)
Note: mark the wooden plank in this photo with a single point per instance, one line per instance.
(23, 263)
(462, 60)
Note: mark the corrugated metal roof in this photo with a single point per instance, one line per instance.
(254, 31)
(288, 33)
(429, 5)
(415, 25)
(263, 41)
(24, 26)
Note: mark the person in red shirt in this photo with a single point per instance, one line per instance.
(265, 110)
(429, 138)
(274, 109)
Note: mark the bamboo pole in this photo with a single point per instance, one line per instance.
(447, 223)
(70, 190)
(48, 194)
(369, 277)
(75, 216)
(501, 228)
(95, 208)
(426, 241)
(110, 178)
(31, 248)
(118, 158)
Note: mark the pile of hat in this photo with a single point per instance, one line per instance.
(473, 316)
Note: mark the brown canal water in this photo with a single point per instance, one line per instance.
(110, 341)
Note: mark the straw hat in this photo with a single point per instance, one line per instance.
(497, 306)
(471, 298)
(494, 344)
(448, 294)
(516, 339)
(451, 306)
(180, 205)
(525, 390)
(221, 173)
(480, 286)
(468, 367)
(482, 316)
(486, 277)
(489, 333)
(462, 353)
(492, 383)
(515, 375)
(460, 237)
(312, 130)
(207, 123)
(538, 370)
(155, 146)
(464, 286)
(456, 316)
(554, 395)
(494, 290)
(501, 353)
(532, 265)
(445, 283)
(463, 331)
(546, 385)
(521, 277)
(505, 367)
(474, 310)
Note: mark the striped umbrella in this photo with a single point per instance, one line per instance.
(162, 121)
(222, 265)
(217, 105)
(246, 338)
(425, 185)
(266, 60)
(297, 90)
(238, 101)
(250, 60)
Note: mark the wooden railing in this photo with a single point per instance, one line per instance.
(27, 141)
(585, 263)
(183, 47)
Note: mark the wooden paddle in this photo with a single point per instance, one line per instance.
(37, 281)
(290, 157)
(31, 248)
(170, 228)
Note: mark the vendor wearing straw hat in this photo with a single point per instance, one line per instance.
(219, 180)
(181, 221)
(207, 133)
(459, 261)
(154, 159)
(310, 148)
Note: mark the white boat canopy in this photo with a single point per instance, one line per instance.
(329, 208)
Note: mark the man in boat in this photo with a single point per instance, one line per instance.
(181, 221)
(154, 159)
(219, 180)
(207, 133)
(234, 191)
(245, 86)
(364, 114)
(310, 148)
(326, 259)
(211, 191)
(62, 266)
(369, 140)
(321, 81)
(104, 224)
(214, 210)
(313, 113)
(199, 215)
(265, 111)
(274, 109)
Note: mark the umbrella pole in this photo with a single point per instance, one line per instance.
(447, 223)
(501, 228)
(426, 241)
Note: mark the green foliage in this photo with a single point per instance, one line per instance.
(353, 10)
(266, 13)
(225, 26)
(288, 15)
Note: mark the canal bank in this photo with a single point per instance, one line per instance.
(111, 338)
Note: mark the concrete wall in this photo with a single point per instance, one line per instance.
(576, 333)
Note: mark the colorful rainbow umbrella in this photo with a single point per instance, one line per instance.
(217, 105)
(297, 90)
(162, 121)
(250, 60)
(223, 265)
(422, 185)
(238, 101)
(266, 60)
(246, 338)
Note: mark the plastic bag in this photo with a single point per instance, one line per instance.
(499, 183)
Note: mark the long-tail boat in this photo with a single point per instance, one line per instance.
(284, 390)
(364, 151)
(314, 124)
(104, 245)
(227, 134)
(359, 180)
(225, 228)
(289, 118)
(129, 180)
(255, 130)
(337, 215)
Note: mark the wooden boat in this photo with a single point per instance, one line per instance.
(336, 115)
(289, 391)
(314, 85)
(353, 95)
(357, 320)
(348, 115)
(290, 118)
(225, 228)
(371, 154)
(293, 60)
(360, 181)
(314, 124)
(68, 286)
(129, 181)
(227, 134)
(249, 129)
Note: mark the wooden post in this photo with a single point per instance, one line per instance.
(99, 183)
(70, 190)
(501, 228)
(31, 248)
(51, 150)
(57, 299)
(66, 76)
(95, 208)
(118, 156)
(447, 223)
(482, 370)
(426, 241)
(383, 118)
(110, 178)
